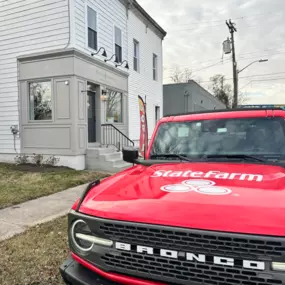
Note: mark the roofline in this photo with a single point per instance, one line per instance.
(208, 92)
(191, 81)
(223, 110)
(148, 17)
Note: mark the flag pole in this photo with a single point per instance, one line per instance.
(146, 129)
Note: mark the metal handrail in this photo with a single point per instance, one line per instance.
(115, 137)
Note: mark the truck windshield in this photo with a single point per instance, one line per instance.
(262, 138)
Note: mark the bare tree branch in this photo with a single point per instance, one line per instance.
(181, 76)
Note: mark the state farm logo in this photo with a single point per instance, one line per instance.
(206, 187)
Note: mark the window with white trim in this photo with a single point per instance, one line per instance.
(118, 44)
(40, 104)
(92, 28)
(136, 55)
(154, 67)
(114, 107)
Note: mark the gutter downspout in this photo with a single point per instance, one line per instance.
(69, 26)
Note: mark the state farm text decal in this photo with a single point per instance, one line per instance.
(210, 174)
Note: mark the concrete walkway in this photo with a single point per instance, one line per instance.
(18, 218)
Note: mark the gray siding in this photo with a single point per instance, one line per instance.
(69, 72)
(188, 97)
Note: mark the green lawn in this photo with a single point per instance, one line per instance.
(25, 182)
(33, 258)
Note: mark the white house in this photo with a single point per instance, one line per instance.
(64, 82)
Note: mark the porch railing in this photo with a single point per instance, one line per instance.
(113, 136)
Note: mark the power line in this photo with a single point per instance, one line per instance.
(213, 26)
(270, 79)
(206, 67)
(228, 60)
(224, 62)
(195, 29)
(239, 57)
(175, 31)
(198, 64)
(263, 74)
(259, 56)
(243, 77)
(265, 50)
(245, 58)
(246, 84)
(238, 18)
(200, 22)
(210, 26)
(261, 80)
(259, 14)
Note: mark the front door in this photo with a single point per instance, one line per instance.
(91, 116)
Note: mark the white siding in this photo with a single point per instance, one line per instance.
(110, 13)
(26, 26)
(30, 26)
(142, 83)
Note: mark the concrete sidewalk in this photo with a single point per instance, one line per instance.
(18, 218)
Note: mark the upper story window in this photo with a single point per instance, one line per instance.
(92, 28)
(136, 55)
(118, 44)
(40, 104)
(154, 67)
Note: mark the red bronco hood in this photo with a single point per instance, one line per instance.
(243, 198)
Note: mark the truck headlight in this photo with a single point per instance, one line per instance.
(83, 239)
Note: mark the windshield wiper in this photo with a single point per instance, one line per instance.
(236, 156)
(182, 157)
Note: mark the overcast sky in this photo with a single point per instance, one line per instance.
(197, 29)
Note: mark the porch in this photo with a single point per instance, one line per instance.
(75, 107)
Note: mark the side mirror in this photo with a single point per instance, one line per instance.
(130, 154)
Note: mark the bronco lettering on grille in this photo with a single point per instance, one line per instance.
(201, 258)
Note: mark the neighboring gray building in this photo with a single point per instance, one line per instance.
(188, 97)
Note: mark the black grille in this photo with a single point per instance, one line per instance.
(182, 272)
(225, 244)
(172, 271)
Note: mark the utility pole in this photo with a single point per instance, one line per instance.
(232, 30)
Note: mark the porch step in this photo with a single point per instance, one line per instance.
(105, 159)
(98, 151)
(113, 155)
(94, 145)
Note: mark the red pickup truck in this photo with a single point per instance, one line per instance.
(206, 206)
